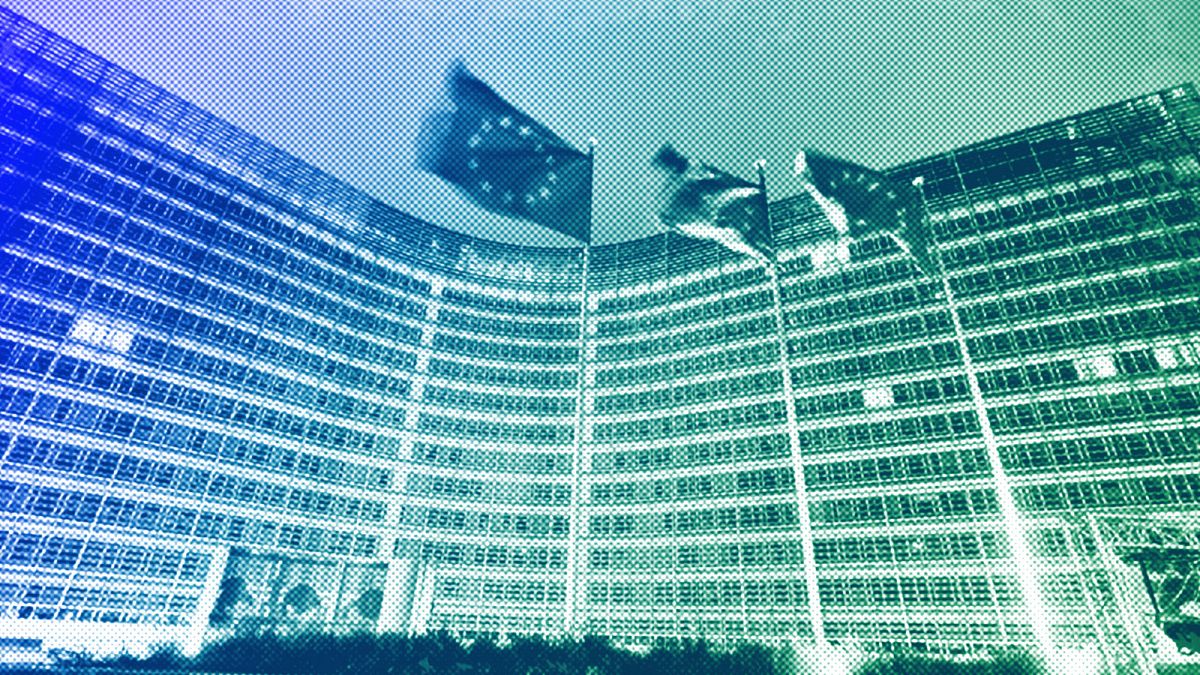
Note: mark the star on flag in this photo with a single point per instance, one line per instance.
(704, 202)
(861, 202)
(505, 161)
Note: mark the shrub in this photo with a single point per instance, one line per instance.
(266, 652)
(1012, 662)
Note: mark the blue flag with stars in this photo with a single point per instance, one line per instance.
(862, 202)
(505, 161)
(704, 202)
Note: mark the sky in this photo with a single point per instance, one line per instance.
(343, 84)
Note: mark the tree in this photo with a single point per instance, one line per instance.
(369, 604)
(301, 600)
(232, 593)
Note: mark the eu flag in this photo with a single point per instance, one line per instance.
(704, 202)
(505, 161)
(861, 202)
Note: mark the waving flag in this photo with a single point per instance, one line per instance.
(707, 203)
(861, 202)
(505, 161)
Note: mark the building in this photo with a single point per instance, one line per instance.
(236, 392)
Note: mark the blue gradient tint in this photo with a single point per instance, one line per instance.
(237, 393)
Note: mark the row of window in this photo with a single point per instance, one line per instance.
(36, 600)
(877, 510)
(524, 377)
(958, 592)
(1031, 376)
(15, 402)
(760, 481)
(1067, 232)
(888, 433)
(1170, 319)
(921, 392)
(840, 309)
(735, 555)
(168, 318)
(706, 286)
(488, 492)
(1126, 450)
(727, 593)
(51, 410)
(87, 140)
(32, 317)
(1105, 184)
(502, 267)
(504, 351)
(549, 308)
(197, 261)
(758, 384)
(1082, 262)
(536, 330)
(86, 374)
(1113, 408)
(191, 401)
(155, 352)
(1152, 491)
(70, 505)
(493, 591)
(542, 463)
(881, 364)
(476, 522)
(892, 469)
(720, 308)
(1029, 165)
(961, 632)
(721, 333)
(690, 423)
(496, 431)
(839, 339)
(692, 454)
(42, 455)
(646, 629)
(521, 405)
(890, 549)
(1126, 290)
(727, 519)
(281, 459)
(50, 551)
(720, 361)
(278, 386)
(846, 281)
(1015, 212)
(479, 555)
(172, 288)
(1033, 161)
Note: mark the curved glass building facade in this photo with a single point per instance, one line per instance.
(236, 392)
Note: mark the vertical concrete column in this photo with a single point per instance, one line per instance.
(574, 587)
(422, 603)
(396, 609)
(816, 616)
(198, 626)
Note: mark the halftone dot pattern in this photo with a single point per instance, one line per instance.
(242, 397)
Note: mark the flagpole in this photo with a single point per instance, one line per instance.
(807, 548)
(1010, 517)
(575, 519)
